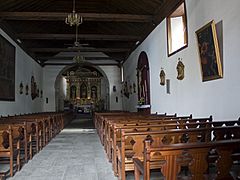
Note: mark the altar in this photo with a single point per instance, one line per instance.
(83, 89)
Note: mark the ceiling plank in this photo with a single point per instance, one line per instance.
(96, 37)
(49, 58)
(63, 64)
(165, 9)
(74, 49)
(56, 16)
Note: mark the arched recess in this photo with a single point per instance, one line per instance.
(143, 77)
(73, 91)
(83, 90)
(59, 97)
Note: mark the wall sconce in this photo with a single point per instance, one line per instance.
(21, 88)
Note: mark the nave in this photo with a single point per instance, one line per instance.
(74, 154)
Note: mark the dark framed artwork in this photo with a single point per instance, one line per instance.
(209, 53)
(7, 70)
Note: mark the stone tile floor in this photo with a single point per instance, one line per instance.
(74, 154)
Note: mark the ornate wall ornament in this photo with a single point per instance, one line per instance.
(33, 88)
(26, 89)
(180, 70)
(125, 89)
(21, 88)
(162, 77)
(134, 88)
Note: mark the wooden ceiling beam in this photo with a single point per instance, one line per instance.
(49, 58)
(64, 64)
(74, 49)
(96, 37)
(165, 9)
(56, 16)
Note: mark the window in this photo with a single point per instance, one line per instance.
(177, 29)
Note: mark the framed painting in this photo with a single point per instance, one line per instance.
(211, 66)
(7, 70)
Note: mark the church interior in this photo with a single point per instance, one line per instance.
(124, 90)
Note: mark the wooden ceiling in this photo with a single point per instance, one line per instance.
(111, 28)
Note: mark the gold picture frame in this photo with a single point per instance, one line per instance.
(208, 49)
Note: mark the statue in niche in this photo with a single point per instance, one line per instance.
(162, 77)
(180, 70)
(73, 92)
(83, 91)
(94, 92)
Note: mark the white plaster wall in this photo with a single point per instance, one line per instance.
(219, 98)
(113, 76)
(50, 74)
(25, 67)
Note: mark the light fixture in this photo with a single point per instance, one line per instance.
(74, 18)
(78, 59)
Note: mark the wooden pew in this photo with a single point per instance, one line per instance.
(131, 143)
(101, 119)
(42, 126)
(34, 127)
(142, 126)
(10, 147)
(129, 120)
(194, 157)
(24, 135)
(37, 130)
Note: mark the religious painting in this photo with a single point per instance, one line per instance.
(7, 70)
(208, 49)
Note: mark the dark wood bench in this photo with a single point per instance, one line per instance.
(24, 134)
(131, 145)
(10, 137)
(101, 119)
(195, 158)
(169, 124)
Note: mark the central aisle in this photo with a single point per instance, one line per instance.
(74, 154)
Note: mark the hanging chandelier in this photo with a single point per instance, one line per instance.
(74, 18)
